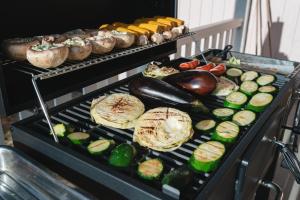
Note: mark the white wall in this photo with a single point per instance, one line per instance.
(202, 12)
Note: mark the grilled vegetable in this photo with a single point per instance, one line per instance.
(226, 132)
(206, 125)
(244, 117)
(235, 100)
(122, 155)
(224, 87)
(16, 48)
(249, 76)
(167, 22)
(206, 67)
(150, 169)
(78, 137)
(234, 73)
(189, 65)
(177, 21)
(103, 43)
(265, 80)
(195, 81)
(178, 178)
(158, 91)
(100, 146)
(259, 102)
(206, 157)
(268, 89)
(233, 61)
(139, 30)
(155, 71)
(79, 49)
(249, 87)
(153, 28)
(123, 39)
(223, 113)
(60, 130)
(218, 70)
(157, 38)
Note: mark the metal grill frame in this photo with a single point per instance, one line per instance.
(140, 188)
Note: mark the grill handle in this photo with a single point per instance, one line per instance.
(274, 187)
(290, 160)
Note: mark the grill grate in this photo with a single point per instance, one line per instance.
(70, 66)
(77, 114)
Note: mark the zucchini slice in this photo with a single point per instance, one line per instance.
(226, 132)
(78, 137)
(223, 113)
(265, 80)
(206, 157)
(206, 125)
(99, 146)
(249, 87)
(234, 73)
(244, 117)
(60, 130)
(249, 76)
(268, 89)
(259, 102)
(122, 155)
(150, 169)
(235, 100)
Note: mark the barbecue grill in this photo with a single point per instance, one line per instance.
(243, 168)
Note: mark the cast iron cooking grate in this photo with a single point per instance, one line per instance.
(77, 114)
(70, 66)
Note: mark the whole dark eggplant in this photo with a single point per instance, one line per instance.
(196, 81)
(158, 91)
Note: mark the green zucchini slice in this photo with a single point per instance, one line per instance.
(78, 137)
(249, 87)
(226, 132)
(235, 100)
(265, 80)
(223, 113)
(206, 125)
(268, 89)
(234, 73)
(150, 169)
(244, 117)
(122, 155)
(249, 76)
(206, 157)
(99, 146)
(259, 102)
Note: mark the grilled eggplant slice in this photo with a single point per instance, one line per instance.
(16, 48)
(47, 55)
(155, 71)
(78, 137)
(158, 91)
(225, 87)
(259, 102)
(235, 100)
(244, 117)
(226, 132)
(195, 81)
(206, 125)
(98, 147)
(122, 155)
(249, 88)
(223, 113)
(234, 74)
(207, 156)
(79, 49)
(150, 169)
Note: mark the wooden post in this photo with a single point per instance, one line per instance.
(242, 10)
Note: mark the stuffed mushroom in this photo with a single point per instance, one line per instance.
(103, 43)
(47, 55)
(79, 49)
(124, 39)
(16, 48)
